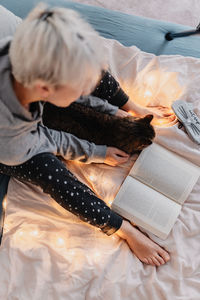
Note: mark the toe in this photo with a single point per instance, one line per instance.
(160, 259)
(156, 261)
(164, 255)
(148, 261)
(151, 262)
(145, 260)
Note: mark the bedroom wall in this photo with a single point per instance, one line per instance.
(185, 12)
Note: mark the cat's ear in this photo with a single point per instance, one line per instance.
(148, 118)
(148, 142)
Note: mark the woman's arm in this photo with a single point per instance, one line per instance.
(71, 147)
(108, 88)
(98, 104)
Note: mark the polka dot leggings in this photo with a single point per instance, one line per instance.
(48, 172)
(109, 89)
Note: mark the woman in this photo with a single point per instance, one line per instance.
(56, 57)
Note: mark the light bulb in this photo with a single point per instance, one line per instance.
(150, 79)
(34, 233)
(92, 177)
(97, 256)
(60, 241)
(147, 93)
(4, 203)
(132, 113)
(21, 233)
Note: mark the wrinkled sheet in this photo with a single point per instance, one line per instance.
(48, 253)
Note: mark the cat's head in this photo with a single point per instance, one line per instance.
(141, 133)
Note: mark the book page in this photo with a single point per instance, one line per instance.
(146, 207)
(166, 172)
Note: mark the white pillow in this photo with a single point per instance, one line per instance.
(8, 22)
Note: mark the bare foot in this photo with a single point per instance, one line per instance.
(143, 247)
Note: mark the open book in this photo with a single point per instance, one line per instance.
(157, 185)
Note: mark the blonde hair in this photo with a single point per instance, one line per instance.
(57, 46)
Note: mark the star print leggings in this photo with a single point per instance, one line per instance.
(49, 172)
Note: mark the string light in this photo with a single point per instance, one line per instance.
(20, 233)
(132, 113)
(150, 80)
(60, 241)
(97, 256)
(147, 93)
(5, 203)
(92, 177)
(27, 235)
(34, 233)
(110, 202)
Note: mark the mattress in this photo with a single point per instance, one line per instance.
(49, 253)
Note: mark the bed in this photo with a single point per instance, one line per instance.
(48, 252)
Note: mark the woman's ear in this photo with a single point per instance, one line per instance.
(43, 89)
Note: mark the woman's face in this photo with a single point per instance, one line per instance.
(63, 96)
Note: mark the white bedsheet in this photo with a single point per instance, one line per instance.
(47, 253)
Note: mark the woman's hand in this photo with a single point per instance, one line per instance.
(122, 114)
(156, 111)
(115, 156)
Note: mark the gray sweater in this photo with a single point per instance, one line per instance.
(22, 134)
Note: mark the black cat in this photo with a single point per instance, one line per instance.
(129, 134)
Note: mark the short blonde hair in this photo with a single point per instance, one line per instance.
(57, 46)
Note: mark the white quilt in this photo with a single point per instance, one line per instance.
(47, 253)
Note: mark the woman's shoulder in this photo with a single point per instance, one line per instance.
(5, 45)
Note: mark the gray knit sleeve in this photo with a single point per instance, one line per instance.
(71, 147)
(98, 104)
